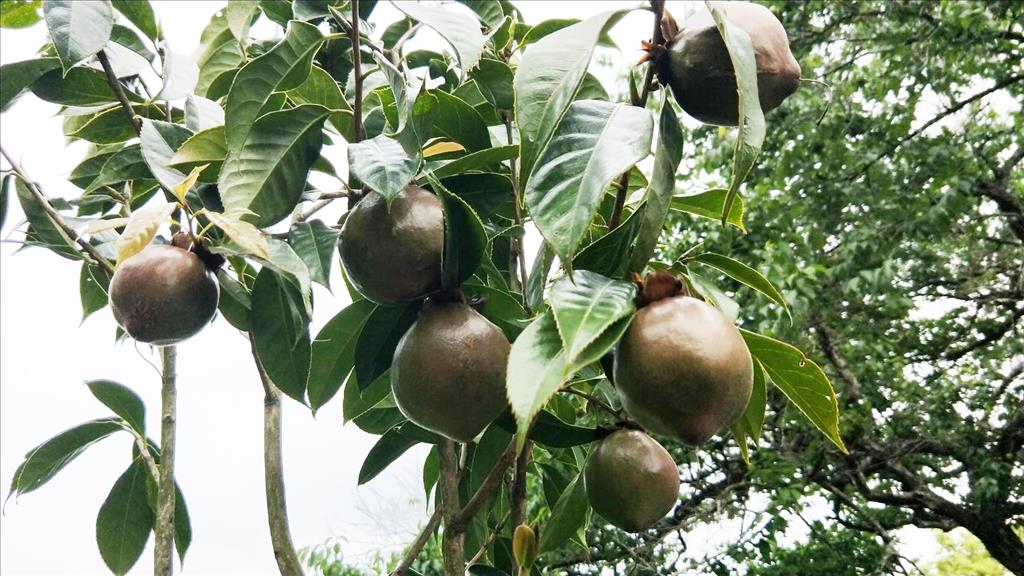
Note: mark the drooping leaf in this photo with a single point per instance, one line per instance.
(390, 446)
(536, 370)
(586, 306)
(159, 141)
(334, 351)
(382, 164)
(139, 13)
(459, 29)
(122, 400)
(745, 275)
(282, 68)
(19, 13)
(749, 424)
(93, 283)
(267, 176)
(141, 228)
(280, 330)
(78, 28)
(568, 514)
(378, 339)
(287, 263)
(44, 461)
(16, 77)
(663, 183)
(248, 237)
(609, 254)
(125, 520)
(752, 128)
(464, 238)
(202, 113)
(595, 142)
(235, 302)
(711, 204)
(801, 380)
(315, 243)
(44, 230)
(182, 524)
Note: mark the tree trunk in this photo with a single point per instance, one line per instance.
(1003, 544)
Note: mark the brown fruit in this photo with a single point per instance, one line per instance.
(394, 256)
(163, 295)
(448, 371)
(698, 68)
(683, 370)
(631, 480)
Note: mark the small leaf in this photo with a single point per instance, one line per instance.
(464, 238)
(202, 148)
(609, 254)
(122, 400)
(239, 14)
(44, 461)
(181, 190)
(182, 524)
(711, 204)
(801, 380)
(745, 275)
(477, 161)
(125, 164)
(334, 350)
(139, 13)
(383, 165)
(280, 331)
(356, 403)
(235, 302)
(378, 339)
(315, 243)
(459, 29)
(585, 309)
(390, 446)
(494, 78)
(141, 228)
(79, 28)
(93, 283)
(125, 520)
(442, 147)
(159, 141)
(567, 516)
(536, 370)
(321, 88)
(248, 237)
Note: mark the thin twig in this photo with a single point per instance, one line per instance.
(490, 538)
(357, 64)
(324, 200)
(519, 486)
(593, 400)
(54, 215)
(164, 528)
(418, 544)
(490, 483)
(115, 85)
(517, 201)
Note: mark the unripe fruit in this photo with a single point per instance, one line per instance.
(163, 295)
(698, 68)
(631, 480)
(448, 371)
(394, 255)
(683, 370)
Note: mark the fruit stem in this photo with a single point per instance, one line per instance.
(452, 543)
(164, 529)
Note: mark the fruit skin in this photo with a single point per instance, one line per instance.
(683, 370)
(698, 68)
(631, 480)
(163, 295)
(448, 371)
(394, 256)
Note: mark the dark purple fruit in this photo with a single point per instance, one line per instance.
(631, 480)
(697, 65)
(682, 369)
(163, 295)
(448, 371)
(394, 256)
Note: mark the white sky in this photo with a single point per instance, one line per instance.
(46, 356)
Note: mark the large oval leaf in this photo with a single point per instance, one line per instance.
(267, 176)
(586, 306)
(122, 400)
(460, 29)
(16, 77)
(536, 370)
(44, 461)
(81, 86)
(125, 520)
(334, 351)
(595, 142)
(79, 28)
(382, 164)
(280, 331)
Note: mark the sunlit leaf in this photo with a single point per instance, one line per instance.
(141, 228)
(79, 28)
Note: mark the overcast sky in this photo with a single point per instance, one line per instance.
(46, 355)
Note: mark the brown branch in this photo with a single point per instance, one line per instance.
(490, 483)
(827, 339)
(418, 544)
(164, 528)
(451, 543)
(520, 254)
(357, 73)
(593, 400)
(115, 85)
(518, 512)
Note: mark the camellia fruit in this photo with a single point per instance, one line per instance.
(164, 294)
(697, 66)
(394, 256)
(631, 480)
(448, 371)
(682, 368)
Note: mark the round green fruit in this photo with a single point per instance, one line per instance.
(394, 255)
(631, 480)
(698, 68)
(448, 371)
(163, 295)
(683, 370)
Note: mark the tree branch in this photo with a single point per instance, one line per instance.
(115, 85)
(418, 544)
(451, 543)
(357, 74)
(486, 489)
(164, 528)
(520, 254)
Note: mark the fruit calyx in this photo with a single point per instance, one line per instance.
(189, 243)
(656, 286)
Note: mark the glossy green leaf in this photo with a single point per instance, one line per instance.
(494, 78)
(287, 263)
(745, 275)
(378, 339)
(749, 424)
(439, 114)
(404, 100)
(81, 86)
(595, 142)
(713, 295)
(122, 400)
(44, 229)
(16, 77)
(549, 430)
(536, 370)
(752, 128)
(44, 461)
(93, 282)
(334, 350)
(600, 346)
(390, 446)
(459, 29)
(320, 88)
(711, 204)
(609, 254)
(202, 148)
(182, 524)
(125, 520)
(267, 176)
(663, 182)
(586, 306)
(19, 13)
(282, 68)
(382, 164)
(159, 141)
(127, 38)
(78, 28)
(125, 164)
(801, 380)
(139, 13)
(235, 303)
(480, 160)
(539, 275)
(568, 514)
(315, 243)
(109, 126)
(464, 238)
(218, 54)
(280, 330)
(356, 402)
